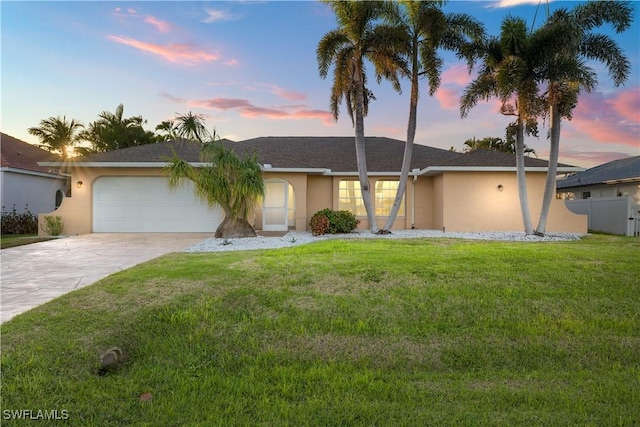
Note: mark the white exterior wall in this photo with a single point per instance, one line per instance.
(37, 190)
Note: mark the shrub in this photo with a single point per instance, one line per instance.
(53, 225)
(333, 222)
(19, 223)
(319, 224)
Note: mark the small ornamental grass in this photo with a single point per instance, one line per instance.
(344, 332)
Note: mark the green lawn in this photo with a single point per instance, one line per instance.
(13, 240)
(357, 333)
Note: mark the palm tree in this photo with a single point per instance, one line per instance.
(168, 129)
(570, 44)
(426, 29)
(359, 36)
(507, 72)
(229, 181)
(113, 131)
(57, 134)
(192, 127)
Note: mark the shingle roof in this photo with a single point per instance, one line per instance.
(623, 169)
(334, 153)
(489, 158)
(18, 154)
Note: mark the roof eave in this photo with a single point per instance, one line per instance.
(35, 173)
(434, 170)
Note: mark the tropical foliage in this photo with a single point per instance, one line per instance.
(508, 72)
(426, 29)
(57, 135)
(570, 44)
(360, 35)
(227, 180)
(507, 145)
(113, 131)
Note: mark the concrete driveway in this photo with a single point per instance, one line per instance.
(37, 273)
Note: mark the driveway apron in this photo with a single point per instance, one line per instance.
(37, 273)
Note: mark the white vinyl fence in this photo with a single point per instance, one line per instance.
(615, 215)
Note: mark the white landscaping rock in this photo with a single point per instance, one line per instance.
(295, 238)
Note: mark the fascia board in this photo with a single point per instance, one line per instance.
(432, 170)
(35, 173)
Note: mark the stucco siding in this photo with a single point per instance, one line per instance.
(421, 195)
(38, 192)
(473, 201)
(319, 195)
(438, 203)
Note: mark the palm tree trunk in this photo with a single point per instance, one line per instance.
(408, 147)
(552, 171)
(361, 157)
(522, 179)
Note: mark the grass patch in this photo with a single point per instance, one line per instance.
(13, 240)
(371, 332)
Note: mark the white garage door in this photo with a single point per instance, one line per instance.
(146, 205)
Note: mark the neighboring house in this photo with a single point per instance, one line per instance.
(126, 191)
(609, 194)
(25, 183)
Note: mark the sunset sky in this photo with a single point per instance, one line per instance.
(250, 68)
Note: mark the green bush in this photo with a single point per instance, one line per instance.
(338, 222)
(53, 225)
(19, 223)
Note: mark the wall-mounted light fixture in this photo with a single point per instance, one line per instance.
(79, 184)
(500, 187)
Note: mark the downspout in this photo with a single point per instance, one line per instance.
(413, 202)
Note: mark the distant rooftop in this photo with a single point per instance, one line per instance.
(18, 154)
(627, 169)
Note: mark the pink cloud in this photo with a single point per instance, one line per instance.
(457, 74)
(627, 104)
(286, 94)
(246, 109)
(608, 120)
(173, 52)
(232, 63)
(448, 98)
(161, 26)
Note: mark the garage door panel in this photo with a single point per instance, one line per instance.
(146, 204)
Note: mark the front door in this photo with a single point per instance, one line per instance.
(276, 206)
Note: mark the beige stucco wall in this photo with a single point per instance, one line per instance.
(472, 201)
(455, 201)
(423, 190)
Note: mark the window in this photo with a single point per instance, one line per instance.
(586, 194)
(350, 198)
(59, 198)
(385, 195)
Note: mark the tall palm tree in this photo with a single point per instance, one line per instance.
(234, 183)
(570, 43)
(426, 29)
(57, 134)
(508, 73)
(359, 36)
(167, 129)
